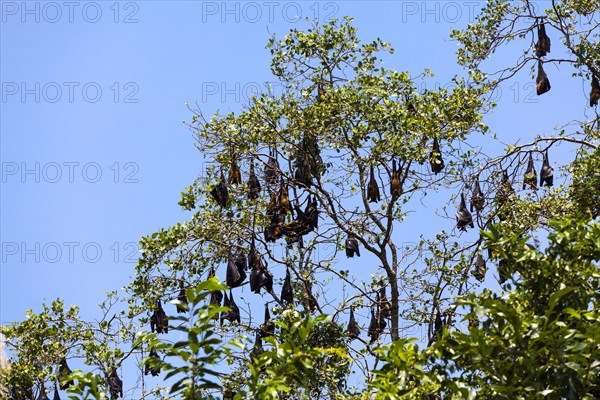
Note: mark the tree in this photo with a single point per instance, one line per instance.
(343, 157)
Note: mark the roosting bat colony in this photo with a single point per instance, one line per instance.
(293, 218)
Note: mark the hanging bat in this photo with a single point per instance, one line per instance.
(547, 172)
(233, 315)
(477, 198)
(63, 372)
(353, 329)
(595, 92)
(220, 193)
(530, 178)
(153, 366)
(284, 200)
(56, 395)
(257, 349)
(235, 177)
(376, 326)
(396, 182)
(181, 308)
(302, 174)
(272, 233)
(42, 395)
(261, 278)
(435, 157)
(438, 325)
(463, 216)
(542, 83)
(542, 47)
(480, 268)
(253, 184)
(159, 320)
(372, 189)
(271, 170)
(314, 155)
(320, 93)
(502, 272)
(287, 292)
(410, 106)
(115, 384)
(505, 192)
(385, 306)
(352, 247)
(268, 327)
(236, 268)
(273, 207)
(254, 260)
(312, 213)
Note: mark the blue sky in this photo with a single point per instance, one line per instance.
(94, 153)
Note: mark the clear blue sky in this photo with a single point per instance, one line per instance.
(94, 154)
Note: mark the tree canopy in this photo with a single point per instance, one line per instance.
(303, 210)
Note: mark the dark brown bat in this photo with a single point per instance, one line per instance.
(271, 170)
(303, 174)
(320, 93)
(273, 207)
(595, 92)
(353, 328)
(268, 327)
(542, 47)
(396, 182)
(257, 349)
(261, 278)
(220, 192)
(542, 83)
(352, 247)
(480, 268)
(463, 216)
(314, 155)
(236, 268)
(235, 176)
(273, 232)
(438, 325)
(373, 189)
(376, 326)
(115, 384)
(502, 272)
(233, 315)
(253, 184)
(254, 260)
(435, 158)
(181, 308)
(152, 366)
(547, 172)
(312, 212)
(477, 198)
(42, 395)
(284, 200)
(385, 306)
(63, 372)
(287, 292)
(159, 321)
(505, 192)
(56, 395)
(530, 178)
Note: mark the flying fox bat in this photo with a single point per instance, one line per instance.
(235, 176)
(253, 184)
(542, 47)
(480, 268)
(268, 327)
(477, 198)
(595, 92)
(530, 178)
(220, 192)
(463, 216)
(236, 268)
(287, 292)
(547, 172)
(353, 328)
(181, 308)
(115, 384)
(372, 189)
(396, 182)
(435, 158)
(352, 247)
(542, 83)
(159, 320)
